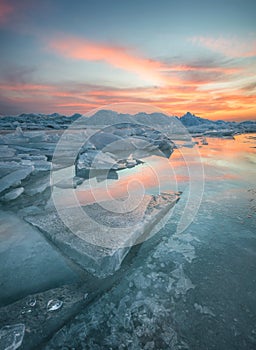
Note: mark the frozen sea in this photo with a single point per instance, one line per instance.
(191, 289)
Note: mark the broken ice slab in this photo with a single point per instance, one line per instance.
(98, 239)
(18, 131)
(7, 167)
(39, 185)
(6, 152)
(11, 336)
(13, 194)
(42, 165)
(31, 157)
(15, 177)
(36, 136)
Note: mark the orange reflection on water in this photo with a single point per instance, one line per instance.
(229, 159)
(229, 148)
(223, 159)
(139, 180)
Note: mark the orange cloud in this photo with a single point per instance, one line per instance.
(154, 71)
(118, 57)
(213, 89)
(175, 100)
(198, 68)
(5, 10)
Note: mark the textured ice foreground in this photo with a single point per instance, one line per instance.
(175, 291)
(190, 291)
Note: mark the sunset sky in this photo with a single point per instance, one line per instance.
(72, 56)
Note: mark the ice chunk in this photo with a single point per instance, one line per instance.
(8, 167)
(178, 245)
(11, 336)
(54, 304)
(32, 157)
(98, 239)
(183, 283)
(13, 194)
(6, 152)
(39, 186)
(42, 165)
(14, 177)
(19, 132)
(203, 310)
(26, 162)
(102, 139)
(96, 160)
(130, 161)
(36, 136)
(204, 141)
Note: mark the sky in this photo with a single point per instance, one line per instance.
(177, 55)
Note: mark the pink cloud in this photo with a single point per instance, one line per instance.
(5, 10)
(173, 99)
(116, 56)
(230, 47)
(153, 71)
(174, 87)
(202, 68)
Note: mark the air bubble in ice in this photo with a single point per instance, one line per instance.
(54, 304)
(31, 302)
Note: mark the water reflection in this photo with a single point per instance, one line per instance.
(222, 159)
(230, 158)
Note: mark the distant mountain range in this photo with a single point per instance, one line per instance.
(190, 119)
(197, 124)
(57, 121)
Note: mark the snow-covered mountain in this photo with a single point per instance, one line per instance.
(198, 124)
(190, 119)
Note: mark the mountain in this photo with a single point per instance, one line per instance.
(193, 123)
(108, 117)
(196, 124)
(190, 119)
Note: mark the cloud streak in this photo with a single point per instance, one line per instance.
(155, 72)
(230, 47)
(119, 57)
(69, 98)
(216, 88)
